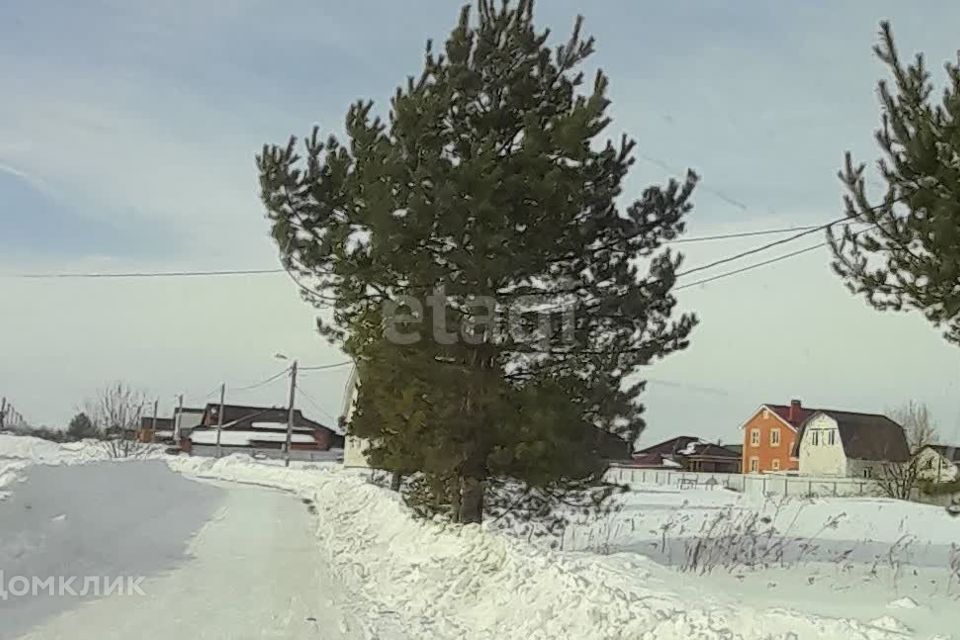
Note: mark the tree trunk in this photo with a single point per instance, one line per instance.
(453, 490)
(471, 501)
(395, 481)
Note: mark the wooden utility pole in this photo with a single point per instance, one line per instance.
(223, 393)
(293, 392)
(176, 420)
(153, 426)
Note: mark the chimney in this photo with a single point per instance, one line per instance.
(794, 415)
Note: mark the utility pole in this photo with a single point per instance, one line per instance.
(293, 392)
(177, 419)
(153, 426)
(223, 393)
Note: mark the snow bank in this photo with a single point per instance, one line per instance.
(470, 582)
(18, 452)
(42, 451)
(651, 510)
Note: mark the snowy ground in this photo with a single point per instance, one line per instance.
(252, 574)
(98, 519)
(661, 521)
(340, 558)
(441, 582)
(889, 562)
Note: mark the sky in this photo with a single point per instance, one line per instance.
(128, 132)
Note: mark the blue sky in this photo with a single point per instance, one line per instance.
(127, 136)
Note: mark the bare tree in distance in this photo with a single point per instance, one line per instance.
(116, 411)
(900, 479)
(918, 425)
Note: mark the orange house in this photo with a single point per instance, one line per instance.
(769, 436)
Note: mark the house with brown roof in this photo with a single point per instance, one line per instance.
(689, 454)
(850, 444)
(257, 429)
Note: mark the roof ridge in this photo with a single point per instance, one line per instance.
(825, 410)
(857, 413)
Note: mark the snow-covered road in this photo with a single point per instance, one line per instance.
(239, 548)
(250, 574)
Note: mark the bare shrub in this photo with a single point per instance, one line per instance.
(116, 411)
(899, 480)
(736, 539)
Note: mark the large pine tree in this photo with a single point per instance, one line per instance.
(908, 257)
(481, 271)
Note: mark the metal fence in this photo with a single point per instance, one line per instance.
(809, 486)
(754, 484)
(302, 455)
(681, 479)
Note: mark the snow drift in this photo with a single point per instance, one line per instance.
(471, 582)
(17, 452)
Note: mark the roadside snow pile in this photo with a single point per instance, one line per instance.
(19, 452)
(470, 582)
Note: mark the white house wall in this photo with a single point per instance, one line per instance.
(867, 468)
(354, 448)
(354, 452)
(822, 459)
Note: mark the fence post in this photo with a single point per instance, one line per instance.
(835, 489)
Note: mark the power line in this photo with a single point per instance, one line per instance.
(327, 366)
(764, 247)
(315, 404)
(314, 292)
(751, 267)
(761, 264)
(142, 274)
(262, 382)
(744, 234)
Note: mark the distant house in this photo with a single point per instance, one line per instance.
(938, 463)
(689, 454)
(263, 429)
(170, 430)
(849, 444)
(155, 430)
(769, 436)
(185, 419)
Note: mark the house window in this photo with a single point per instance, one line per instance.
(754, 464)
(775, 465)
(755, 437)
(814, 437)
(831, 437)
(774, 437)
(867, 472)
(766, 413)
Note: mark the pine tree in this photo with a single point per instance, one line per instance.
(82, 427)
(909, 255)
(482, 273)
